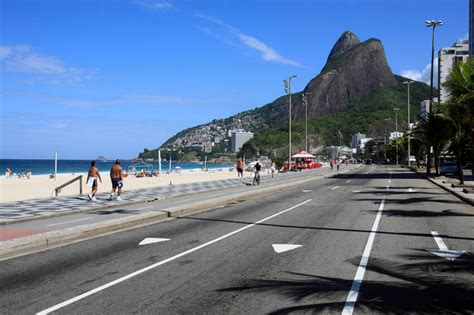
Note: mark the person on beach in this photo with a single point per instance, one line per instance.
(273, 168)
(8, 173)
(92, 177)
(240, 168)
(116, 176)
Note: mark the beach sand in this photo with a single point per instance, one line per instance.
(41, 186)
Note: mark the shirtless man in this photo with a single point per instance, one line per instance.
(92, 177)
(116, 176)
(240, 169)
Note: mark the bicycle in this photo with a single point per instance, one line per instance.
(256, 178)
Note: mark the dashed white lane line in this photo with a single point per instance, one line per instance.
(67, 222)
(352, 296)
(348, 181)
(136, 273)
(336, 187)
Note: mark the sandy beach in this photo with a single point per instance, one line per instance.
(41, 186)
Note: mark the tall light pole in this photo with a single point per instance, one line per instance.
(396, 135)
(408, 83)
(433, 24)
(385, 138)
(287, 84)
(305, 102)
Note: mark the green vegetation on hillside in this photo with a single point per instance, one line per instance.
(367, 116)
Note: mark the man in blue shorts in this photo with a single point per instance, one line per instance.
(116, 176)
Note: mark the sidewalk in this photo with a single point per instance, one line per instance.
(451, 184)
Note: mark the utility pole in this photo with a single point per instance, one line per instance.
(396, 130)
(408, 83)
(433, 24)
(287, 84)
(305, 102)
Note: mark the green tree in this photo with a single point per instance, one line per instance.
(460, 109)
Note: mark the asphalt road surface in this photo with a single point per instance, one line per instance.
(376, 240)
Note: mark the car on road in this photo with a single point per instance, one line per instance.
(449, 167)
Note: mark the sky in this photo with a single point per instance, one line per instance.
(112, 77)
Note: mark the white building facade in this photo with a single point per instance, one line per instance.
(238, 138)
(447, 60)
(424, 109)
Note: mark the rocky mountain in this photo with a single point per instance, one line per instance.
(352, 71)
(354, 74)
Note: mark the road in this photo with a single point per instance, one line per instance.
(365, 239)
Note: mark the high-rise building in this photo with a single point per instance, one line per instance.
(471, 27)
(447, 60)
(238, 138)
(355, 143)
(424, 109)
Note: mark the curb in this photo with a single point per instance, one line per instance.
(35, 243)
(454, 193)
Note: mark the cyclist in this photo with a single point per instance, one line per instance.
(256, 169)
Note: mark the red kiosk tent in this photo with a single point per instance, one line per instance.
(307, 160)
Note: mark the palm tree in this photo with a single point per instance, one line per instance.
(460, 85)
(434, 130)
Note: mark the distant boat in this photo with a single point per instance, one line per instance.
(102, 159)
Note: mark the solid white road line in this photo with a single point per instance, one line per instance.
(352, 296)
(136, 273)
(335, 187)
(54, 224)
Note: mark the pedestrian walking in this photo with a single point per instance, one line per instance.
(92, 176)
(331, 164)
(116, 176)
(273, 168)
(338, 164)
(240, 168)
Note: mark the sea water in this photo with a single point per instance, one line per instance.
(46, 167)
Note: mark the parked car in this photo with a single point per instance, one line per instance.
(449, 167)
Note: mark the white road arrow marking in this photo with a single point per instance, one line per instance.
(348, 181)
(281, 248)
(411, 190)
(336, 187)
(357, 191)
(151, 240)
(443, 250)
(306, 190)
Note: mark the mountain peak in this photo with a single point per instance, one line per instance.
(345, 42)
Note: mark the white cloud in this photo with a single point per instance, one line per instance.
(423, 75)
(23, 59)
(157, 5)
(463, 39)
(267, 53)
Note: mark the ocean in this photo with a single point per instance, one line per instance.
(46, 167)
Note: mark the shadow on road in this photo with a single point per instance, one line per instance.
(426, 286)
(318, 228)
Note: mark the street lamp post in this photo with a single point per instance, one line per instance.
(287, 84)
(433, 24)
(385, 138)
(305, 102)
(396, 135)
(408, 83)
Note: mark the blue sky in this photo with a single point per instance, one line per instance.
(88, 78)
